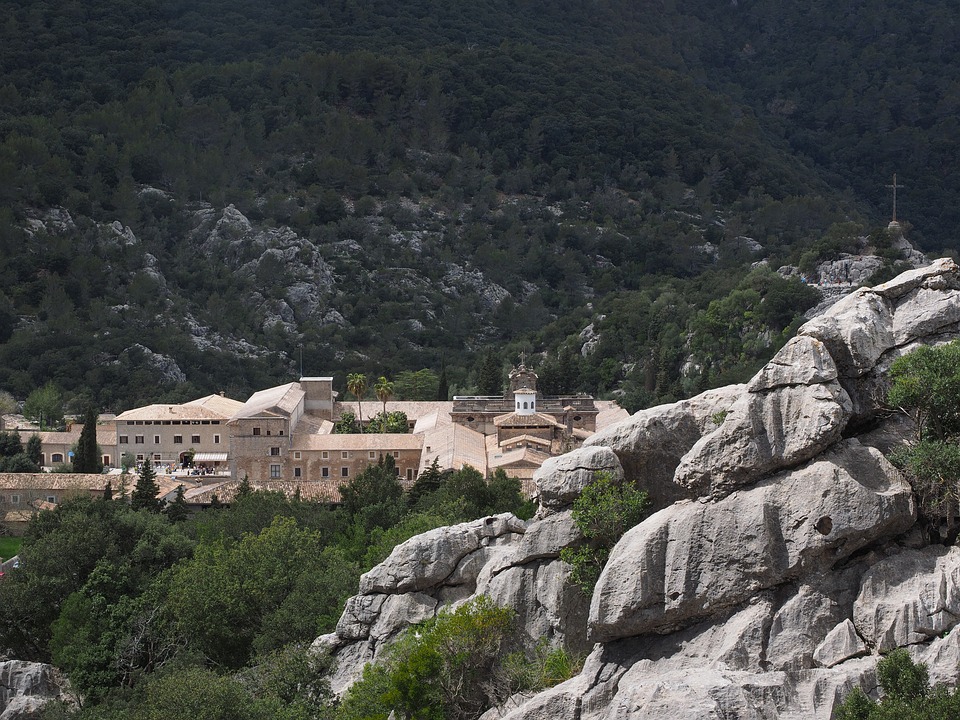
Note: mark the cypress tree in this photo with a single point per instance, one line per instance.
(87, 459)
(145, 492)
(443, 385)
(490, 375)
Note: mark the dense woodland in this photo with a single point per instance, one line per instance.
(164, 615)
(444, 180)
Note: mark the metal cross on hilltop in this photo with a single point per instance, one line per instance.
(894, 188)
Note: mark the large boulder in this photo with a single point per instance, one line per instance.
(793, 410)
(651, 443)
(430, 559)
(693, 558)
(560, 480)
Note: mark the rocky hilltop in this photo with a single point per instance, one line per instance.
(782, 559)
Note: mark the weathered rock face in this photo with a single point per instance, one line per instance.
(693, 558)
(781, 561)
(652, 442)
(25, 687)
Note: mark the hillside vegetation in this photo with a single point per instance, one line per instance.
(197, 195)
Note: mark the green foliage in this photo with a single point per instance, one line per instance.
(605, 510)
(490, 375)
(906, 693)
(926, 385)
(87, 458)
(234, 600)
(13, 458)
(545, 667)
(177, 511)
(392, 422)
(144, 496)
(346, 424)
(357, 385)
(442, 669)
(9, 546)
(100, 549)
(45, 406)
(374, 497)
(416, 385)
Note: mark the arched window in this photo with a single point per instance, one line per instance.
(524, 404)
(57, 457)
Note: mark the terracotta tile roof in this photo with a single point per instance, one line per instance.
(526, 438)
(610, 413)
(52, 438)
(359, 441)
(280, 401)
(224, 406)
(53, 481)
(531, 420)
(170, 412)
(315, 490)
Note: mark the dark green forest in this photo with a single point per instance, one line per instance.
(193, 196)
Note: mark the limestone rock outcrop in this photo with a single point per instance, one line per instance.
(782, 557)
(25, 687)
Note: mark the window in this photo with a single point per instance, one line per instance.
(274, 471)
(296, 472)
(268, 432)
(195, 439)
(296, 455)
(274, 451)
(344, 472)
(325, 472)
(156, 439)
(256, 431)
(124, 439)
(14, 499)
(57, 457)
(344, 455)
(106, 459)
(280, 433)
(216, 439)
(51, 498)
(156, 457)
(396, 453)
(410, 474)
(178, 439)
(325, 455)
(138, 439)
(372, 455)
(140, 457)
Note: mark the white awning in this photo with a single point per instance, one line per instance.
(210, 457)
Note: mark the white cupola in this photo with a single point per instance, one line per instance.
(525, 401)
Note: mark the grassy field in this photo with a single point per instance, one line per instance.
(9, 546)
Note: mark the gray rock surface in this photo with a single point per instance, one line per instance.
(651, 443)
(841, 643)
(909, 598)
(25, 687)
(686, 561)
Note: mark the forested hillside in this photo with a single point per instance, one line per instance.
(195, 195)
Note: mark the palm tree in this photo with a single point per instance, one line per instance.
(357, 385)
(384, 391)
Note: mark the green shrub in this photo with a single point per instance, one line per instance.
(605, 510)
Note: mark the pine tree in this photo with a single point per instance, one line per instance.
(177, 511)
(87, 459)
(145, 492)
